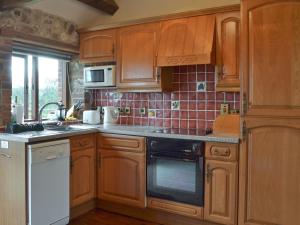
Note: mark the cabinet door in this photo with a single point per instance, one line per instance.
(271, 57)
(221, 192)
(136, 57)
(13, 185)
(187, 41)
(270, 173)
(98, 46)
(122, 177)
(82, 176)
(228, 42)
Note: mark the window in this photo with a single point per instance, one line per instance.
(37, 80)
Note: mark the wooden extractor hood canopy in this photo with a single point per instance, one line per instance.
(187, 41)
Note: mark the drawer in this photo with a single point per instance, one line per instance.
(121, 142)
(82, 142)
(175, 208)
(221, 151)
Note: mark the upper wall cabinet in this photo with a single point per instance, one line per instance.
(187, 41)
(136, 67)
(98, 46)
(228, 47)
(271, 57)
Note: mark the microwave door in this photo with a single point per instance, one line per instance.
(95, 76)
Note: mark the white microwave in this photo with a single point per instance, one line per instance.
(99, 76)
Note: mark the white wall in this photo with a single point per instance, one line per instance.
(86, 16)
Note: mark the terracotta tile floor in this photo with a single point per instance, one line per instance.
(100, 217)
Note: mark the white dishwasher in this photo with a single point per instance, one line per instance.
(48, 183)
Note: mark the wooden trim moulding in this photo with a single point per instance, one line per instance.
(201, 12)
(82, 209)
(39, 41)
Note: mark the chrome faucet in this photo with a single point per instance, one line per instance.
(60, 107)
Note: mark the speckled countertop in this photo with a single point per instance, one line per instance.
(47, 135)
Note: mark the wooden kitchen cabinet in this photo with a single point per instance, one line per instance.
(228, 51)
(13, 185)
(270, 58)
(187, 41)
(121, 172)
(269, 158)
(83, 175)
(269, 172)
(136, 67)
(220, 192)
(98, 46)
(221, 183)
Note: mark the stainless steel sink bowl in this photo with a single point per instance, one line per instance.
(60, 128)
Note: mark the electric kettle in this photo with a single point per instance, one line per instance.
(111, 115)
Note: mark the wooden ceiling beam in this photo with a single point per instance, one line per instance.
(107, 6)
(8, 4)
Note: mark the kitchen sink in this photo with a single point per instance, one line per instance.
(61, 128)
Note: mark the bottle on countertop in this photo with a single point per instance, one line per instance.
(17, 112)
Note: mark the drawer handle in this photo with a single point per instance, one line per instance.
(217, 152)
(5, 155)
(51, 157)
(83, 143)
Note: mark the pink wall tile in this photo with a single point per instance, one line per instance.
(198, 110)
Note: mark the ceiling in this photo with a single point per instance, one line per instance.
(85, 16)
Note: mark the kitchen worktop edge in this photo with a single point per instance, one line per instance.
(31, 137)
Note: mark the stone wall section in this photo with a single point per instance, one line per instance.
(40, 24)
(75, 77)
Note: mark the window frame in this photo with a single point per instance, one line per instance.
(34, 94)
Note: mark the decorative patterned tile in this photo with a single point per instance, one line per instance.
(197, 109)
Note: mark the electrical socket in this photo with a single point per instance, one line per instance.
(224, 109)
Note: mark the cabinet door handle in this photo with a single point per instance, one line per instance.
(245, 103)
(5, 155)
(113, 49)
(219, 71)
(158, 73)
(208, 173)
(71, 165)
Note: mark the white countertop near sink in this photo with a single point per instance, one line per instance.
(46, 135)
(145, 131)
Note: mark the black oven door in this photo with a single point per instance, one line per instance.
(176, 177)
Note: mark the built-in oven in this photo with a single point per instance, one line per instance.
(99, 76)
(175, 170)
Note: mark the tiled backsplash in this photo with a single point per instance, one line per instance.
(197, 109)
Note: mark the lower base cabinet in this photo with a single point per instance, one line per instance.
(83, 176)
(221, 192)
(13, 184)
(221, 184)
(121, 170)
